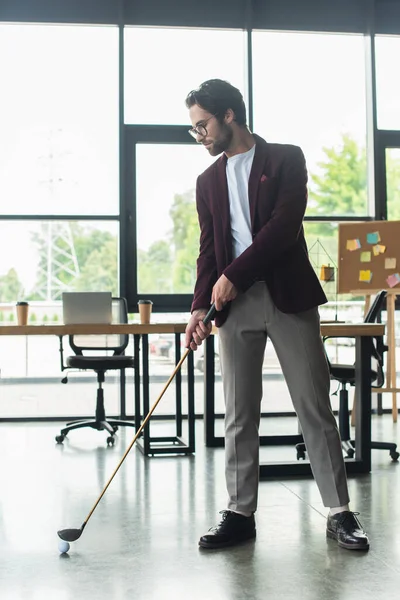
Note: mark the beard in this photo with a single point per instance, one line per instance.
(222, 142)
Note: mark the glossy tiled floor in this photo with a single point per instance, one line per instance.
(141, 542)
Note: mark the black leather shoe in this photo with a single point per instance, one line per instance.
(346, 529)
(233, 529)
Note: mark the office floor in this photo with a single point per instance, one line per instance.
(141, 542)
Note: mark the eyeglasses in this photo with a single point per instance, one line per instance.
(200, 129)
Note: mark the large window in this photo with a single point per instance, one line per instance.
(167, 226)
(46, 258)
(163, 65)
(388, 81)
(59, 120)
(60, 163)
(309, 90)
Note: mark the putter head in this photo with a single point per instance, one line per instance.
(70, 535)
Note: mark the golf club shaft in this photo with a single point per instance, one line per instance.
(209, 316)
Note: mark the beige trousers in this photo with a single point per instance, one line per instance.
(297, 341)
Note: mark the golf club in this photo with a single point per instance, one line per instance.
(71, 535)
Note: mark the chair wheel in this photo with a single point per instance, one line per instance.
(395, 456)
(301, 455)
(110, 440)
(60, 439)
(350, 453)
(115, 427)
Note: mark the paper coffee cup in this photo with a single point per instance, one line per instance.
(145, 307)
(22, 313)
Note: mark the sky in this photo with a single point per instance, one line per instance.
(59, 112)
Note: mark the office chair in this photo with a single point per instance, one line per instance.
(100, 363)
(345, 375)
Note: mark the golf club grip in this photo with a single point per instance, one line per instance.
(210, 315)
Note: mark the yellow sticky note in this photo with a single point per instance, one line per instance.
(365, 256)
(365, 276)
(353, 245)
(378, 249)
(390, 263)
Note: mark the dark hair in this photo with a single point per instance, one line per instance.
(216, 97)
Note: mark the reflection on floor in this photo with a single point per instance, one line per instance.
(141, 542)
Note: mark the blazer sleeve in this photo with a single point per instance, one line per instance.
(281, 231)
(206, 262)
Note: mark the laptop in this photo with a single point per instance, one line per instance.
(87, 307)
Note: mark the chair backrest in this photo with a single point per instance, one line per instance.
(375, 308)
(104, 342)
(379, 347)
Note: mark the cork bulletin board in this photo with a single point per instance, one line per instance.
(369, 256)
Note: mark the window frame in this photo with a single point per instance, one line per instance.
(134, 135)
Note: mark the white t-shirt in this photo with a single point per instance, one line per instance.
(238, 169)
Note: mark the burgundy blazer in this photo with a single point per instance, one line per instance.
(278, 254)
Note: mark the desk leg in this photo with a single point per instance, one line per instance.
(191, 404)
(146, 391)
(363, 403)
(209, 392)
(122, 394)
(136, 354)
(178, 387)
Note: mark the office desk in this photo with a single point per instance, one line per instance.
(92, 329)
(362, 332)
(147, 443)
(361, 463)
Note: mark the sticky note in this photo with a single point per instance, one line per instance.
(373, 238)
(365, 256)
(390, 263)
(365, 276)
(378, 249)
(353, 245)
(393, 280)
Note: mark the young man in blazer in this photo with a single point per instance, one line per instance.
(253, 264)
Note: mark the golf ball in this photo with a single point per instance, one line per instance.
(63, 546)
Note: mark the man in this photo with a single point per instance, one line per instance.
(253, 265)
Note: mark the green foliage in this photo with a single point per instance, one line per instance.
(33, 318)
(10, 287)
(96, 254)
(11, 317)
(99, 272)
(185, 237)
(183, 215)
(155, 268)
(87, 241)
(169, 266)
(341, 186)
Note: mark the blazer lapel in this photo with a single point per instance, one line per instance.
(222, 198)
(256, 173)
